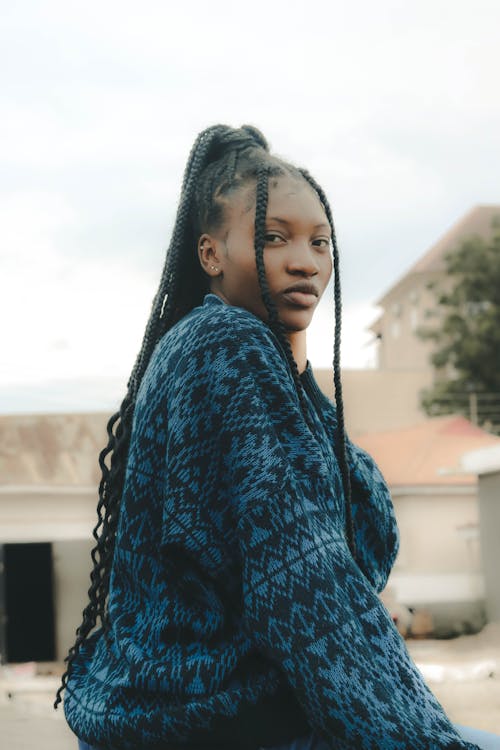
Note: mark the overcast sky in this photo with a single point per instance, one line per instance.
(392, 106)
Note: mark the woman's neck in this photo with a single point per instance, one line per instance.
(298, 344)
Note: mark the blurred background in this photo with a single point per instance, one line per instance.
(393, 108)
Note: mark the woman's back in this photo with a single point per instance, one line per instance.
(180, 663)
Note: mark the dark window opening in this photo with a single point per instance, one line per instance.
(27, 603)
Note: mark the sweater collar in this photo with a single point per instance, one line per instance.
(320, 399)
(210, 299)
(306, 376)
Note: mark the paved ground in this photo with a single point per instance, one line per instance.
(463, 673)
(25, 730)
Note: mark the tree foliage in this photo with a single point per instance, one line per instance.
(466, 331)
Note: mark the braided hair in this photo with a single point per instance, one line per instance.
(222, 160)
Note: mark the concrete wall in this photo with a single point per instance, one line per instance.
(378, 399)
(405, 310)
(43, 514)
(439, 556)
(489, 504)
(64, 516)
(439, 530)
(72, 566)
(438, 568)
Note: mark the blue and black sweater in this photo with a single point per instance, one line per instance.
(238, 616)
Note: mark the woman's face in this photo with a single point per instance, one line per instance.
(297, 249)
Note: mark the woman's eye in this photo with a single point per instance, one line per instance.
(273, 239)
(270, 236)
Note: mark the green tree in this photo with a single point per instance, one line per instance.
(466, 333)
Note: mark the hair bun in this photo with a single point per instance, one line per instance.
(224, 139)
(256, 135)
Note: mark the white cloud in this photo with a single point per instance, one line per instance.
(65, 318)
(391, 107)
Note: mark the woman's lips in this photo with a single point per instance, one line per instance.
(301, 299)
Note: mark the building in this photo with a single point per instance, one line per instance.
(48, 496)
(388, 397)
(406, 303)
(486, 463)
(439, 566)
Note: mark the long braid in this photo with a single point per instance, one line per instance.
(108, 505)
(110, 487)
(119, 425)
(341, 451)
(163, 306)
(278, 328)
(275, 323)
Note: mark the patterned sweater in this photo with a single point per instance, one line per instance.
(239, 617)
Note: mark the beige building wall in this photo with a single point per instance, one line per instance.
(64, 516)
(378, 399)
(72, 566)
(440, 555)
(489, 498)
(406, 309)
(44, 514)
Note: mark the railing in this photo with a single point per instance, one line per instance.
(482, 409)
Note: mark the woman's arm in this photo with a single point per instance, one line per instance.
(375, 525)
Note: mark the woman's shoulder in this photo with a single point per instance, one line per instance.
(213, 356)
(214, 311)
(213, 339)
(216, 326)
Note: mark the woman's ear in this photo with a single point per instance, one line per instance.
(210, 259)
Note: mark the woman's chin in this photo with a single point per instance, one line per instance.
(296, 320)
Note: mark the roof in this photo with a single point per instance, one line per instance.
(51, 449)
(478, 221)
(63, 449)
(428, 453)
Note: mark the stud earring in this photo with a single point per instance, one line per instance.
(213, 268)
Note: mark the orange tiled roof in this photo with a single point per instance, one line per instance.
(428, 453)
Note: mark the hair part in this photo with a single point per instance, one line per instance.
(222, 160)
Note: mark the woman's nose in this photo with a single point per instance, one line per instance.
(302, 257)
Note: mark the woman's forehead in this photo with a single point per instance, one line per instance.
(286, 194)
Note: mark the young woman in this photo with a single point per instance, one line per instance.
(242, 540)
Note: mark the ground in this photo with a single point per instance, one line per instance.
(463, 673)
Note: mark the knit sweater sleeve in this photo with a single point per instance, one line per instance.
(305, 601)
(375, 525)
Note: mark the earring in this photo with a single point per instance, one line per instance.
(213, 268)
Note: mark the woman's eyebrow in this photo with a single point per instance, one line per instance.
(284, 221)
